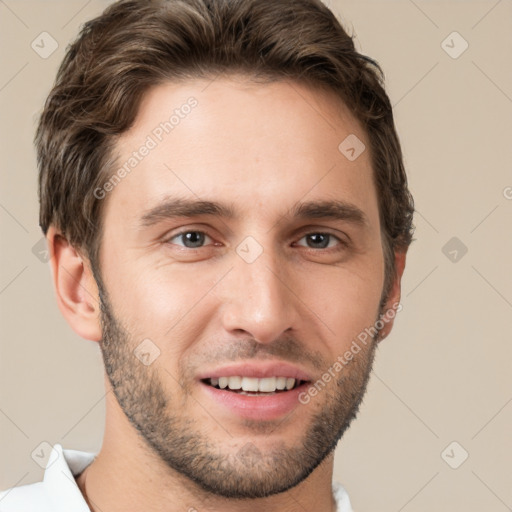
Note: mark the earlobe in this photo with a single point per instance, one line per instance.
(75, 287)
(393, 301)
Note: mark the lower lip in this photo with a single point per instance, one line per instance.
(256, 407)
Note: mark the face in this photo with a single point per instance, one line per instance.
(242, 250)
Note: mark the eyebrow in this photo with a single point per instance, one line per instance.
(179, 207)
(323, 209)
(331, 209)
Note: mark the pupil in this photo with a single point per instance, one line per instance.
(194, 239)
(319, 238)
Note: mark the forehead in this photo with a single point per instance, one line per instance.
(263, 146)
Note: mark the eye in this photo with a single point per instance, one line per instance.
(321, 240)
(190, 239)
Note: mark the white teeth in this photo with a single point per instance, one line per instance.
(290, 383)
(250, 384)
(235, 382)
(265, 385)
(281, 383)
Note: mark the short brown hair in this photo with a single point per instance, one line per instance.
(137, 44)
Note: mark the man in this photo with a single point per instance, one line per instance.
(224, 198)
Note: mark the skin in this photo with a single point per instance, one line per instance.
(262, 148)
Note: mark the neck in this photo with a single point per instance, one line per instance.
(134, 479)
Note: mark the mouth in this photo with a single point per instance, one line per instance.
(253, 386)
(256, 390)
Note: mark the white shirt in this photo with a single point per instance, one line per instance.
(58, 492)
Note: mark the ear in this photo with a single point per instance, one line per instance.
(393, 305)
(75, 287)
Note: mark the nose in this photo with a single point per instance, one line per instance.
(258, 299)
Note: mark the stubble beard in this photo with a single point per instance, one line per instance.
(244, 470)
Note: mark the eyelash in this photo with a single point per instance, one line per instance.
(342, 244)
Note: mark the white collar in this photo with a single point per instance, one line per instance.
(59, 478)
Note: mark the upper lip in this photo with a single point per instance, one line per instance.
(257, 370)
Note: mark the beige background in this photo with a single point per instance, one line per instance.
(444, 375)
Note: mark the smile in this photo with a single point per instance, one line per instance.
(253, 386)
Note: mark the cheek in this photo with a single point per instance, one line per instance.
(158, 300)
(345, 299)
